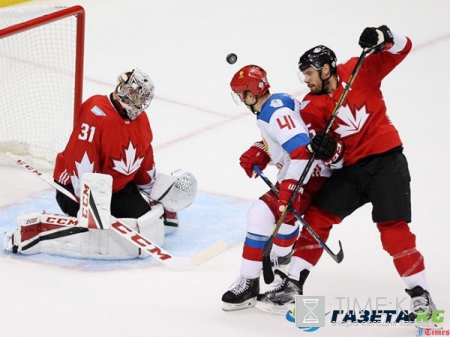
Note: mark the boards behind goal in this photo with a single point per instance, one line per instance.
(41, 78)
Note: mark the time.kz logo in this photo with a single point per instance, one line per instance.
(309, 314)
(290, 316)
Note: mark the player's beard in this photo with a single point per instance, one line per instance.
(320, 88)
(316, 89)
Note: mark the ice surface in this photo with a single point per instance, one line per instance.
(182, 45)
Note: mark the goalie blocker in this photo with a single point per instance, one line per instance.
(88, 235)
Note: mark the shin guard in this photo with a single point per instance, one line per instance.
(400, 243)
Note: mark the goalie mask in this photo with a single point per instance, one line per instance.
(135, 91)
(176, 191)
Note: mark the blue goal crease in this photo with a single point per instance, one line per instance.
(195, 233)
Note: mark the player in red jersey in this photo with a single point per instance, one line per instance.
(113, 136)
(375, 171)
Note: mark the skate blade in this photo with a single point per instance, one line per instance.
(272, 308)
(239, 306)
(428, 326)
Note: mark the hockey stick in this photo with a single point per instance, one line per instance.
(173, 262)
(336, 257)
(267, 267)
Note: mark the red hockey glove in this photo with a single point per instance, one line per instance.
(286, 188)
(326, 148)
(256, 154)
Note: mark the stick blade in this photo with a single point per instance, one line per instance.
(192, 261)
(340, 254)
(208, 253)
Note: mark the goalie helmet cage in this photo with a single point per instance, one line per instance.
(41, 78)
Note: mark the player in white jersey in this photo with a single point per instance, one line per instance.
(284, 139)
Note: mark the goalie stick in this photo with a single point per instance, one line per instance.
(267, 266)
(173, 262)
(336, 257)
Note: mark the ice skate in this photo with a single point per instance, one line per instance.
(241, 295)
(282, 298)
(280, 261)
(421, 302)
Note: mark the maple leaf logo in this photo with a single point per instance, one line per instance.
(128, 164)
(352, 123)
(81, 167)
(147, 188)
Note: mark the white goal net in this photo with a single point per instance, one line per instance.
(41, 69)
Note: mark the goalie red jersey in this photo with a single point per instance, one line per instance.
(105, 142)
(362, 122)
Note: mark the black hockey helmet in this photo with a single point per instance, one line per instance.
(316, 57)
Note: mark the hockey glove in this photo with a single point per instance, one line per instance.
(381, 37)
(326, 148)
(287, 186)
(255, 155)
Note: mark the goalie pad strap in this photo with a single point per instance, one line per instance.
(55, 235)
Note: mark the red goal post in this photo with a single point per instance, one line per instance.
(41, 77)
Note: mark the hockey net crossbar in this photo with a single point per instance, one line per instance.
(41, 64)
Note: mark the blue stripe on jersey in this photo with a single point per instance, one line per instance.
(256, 240)
(295, 142)
(288, 236)
(275, 102)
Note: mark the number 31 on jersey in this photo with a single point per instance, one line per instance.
(87, 132)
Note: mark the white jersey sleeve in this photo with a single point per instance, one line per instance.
(285, 135)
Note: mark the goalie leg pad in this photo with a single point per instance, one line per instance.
(95, 200)
(77, 242)
(61, 235)
(35, 228)
(151, 225)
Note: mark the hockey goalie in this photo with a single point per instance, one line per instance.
(88, 235)
(111, 149)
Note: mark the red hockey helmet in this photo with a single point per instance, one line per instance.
(250, 78)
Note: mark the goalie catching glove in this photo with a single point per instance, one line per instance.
(176, 191)
(326, 148)
(255, 155)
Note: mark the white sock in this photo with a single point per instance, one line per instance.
(250, 269)
(416, 280)
(296, 266)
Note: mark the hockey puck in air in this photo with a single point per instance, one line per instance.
(231, 58)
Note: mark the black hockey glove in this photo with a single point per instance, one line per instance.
(323, 146)
(370, 38)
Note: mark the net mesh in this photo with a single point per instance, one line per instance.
(37, 86)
